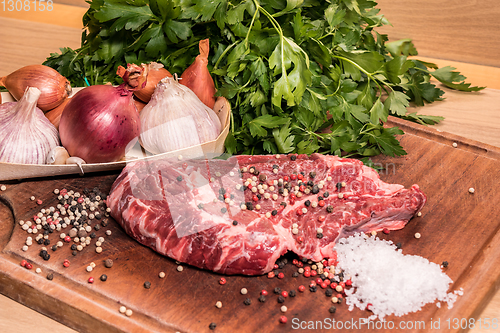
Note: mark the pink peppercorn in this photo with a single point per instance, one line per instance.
(300, 239)
(263, 292)
(67, 239)
(284, 293)
(39, 201)
(307, 268)
(299, 212)
(321, 203)
(80, 200)
(28, 265)
(314, 273)
(300, 263)
(299, 176)
(276, 266)
(333, 285)
(91, 279)
(281, 275)
(23, 263)
(321, 218)
(307, 273)
(301, 288)
(348, 283)
(385, 231)
(295, 261)
(319, 281)
(324, 285)
(312, 283)
(302, 188)
(222, 281)
(184, 166)
(270, 275)
(293, 177)
(285, 178)
(255, 198)
(283, 319)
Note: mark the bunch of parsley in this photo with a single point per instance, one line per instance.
(301, 75)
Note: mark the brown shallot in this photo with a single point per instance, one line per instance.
(54, 87)
(197, 76)
(156, 73)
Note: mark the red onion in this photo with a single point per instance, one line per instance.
(101, 123)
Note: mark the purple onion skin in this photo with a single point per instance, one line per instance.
(100, 124)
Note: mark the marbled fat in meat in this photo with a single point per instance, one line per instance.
(179, 208)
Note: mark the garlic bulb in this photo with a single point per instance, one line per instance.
(58, 155)
(26, 135)
(175, 118)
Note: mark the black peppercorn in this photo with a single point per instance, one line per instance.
(212, 326)
(319, 235)
(40, 241)
(293, 157)
(50, 276)
(97, 227)
(46, 242)
(312, 174)
(222, 191)
(313, 289)
(223, 210)
(74, 253)
(262, 298)
(54, 247)
(315, 189)
(292, 293)
(310, 183)
(103, 277)
(262, 178)
(307, 203)
(200, 206)
(326, 195)
(283, 204)
(281, 299)
(295, 274)
(329, 209)
(277, 290)
(445, 264)
(398, 245)
(274, 212)
(320, 198)
(339, 186)
(332, 309)
(235, 222)
(179, 178)
(329, 292)
(147, 284)
(247, 301)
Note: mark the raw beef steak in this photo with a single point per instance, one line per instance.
(238, 216)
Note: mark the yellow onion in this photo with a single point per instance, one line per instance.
(54, 87)
(156, 73)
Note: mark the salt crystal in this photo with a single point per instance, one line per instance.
(392, 282)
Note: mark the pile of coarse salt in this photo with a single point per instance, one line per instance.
(388, 280)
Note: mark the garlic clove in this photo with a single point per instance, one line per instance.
(222, 109)
(78, 161)
(58, 155)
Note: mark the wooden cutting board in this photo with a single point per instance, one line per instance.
(456, 226)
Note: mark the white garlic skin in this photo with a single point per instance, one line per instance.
(26, 135)
(175, 118)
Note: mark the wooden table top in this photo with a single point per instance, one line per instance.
(28, 38)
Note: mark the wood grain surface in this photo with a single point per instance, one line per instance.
(456, 226)
(474, 41)
(459, 30)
